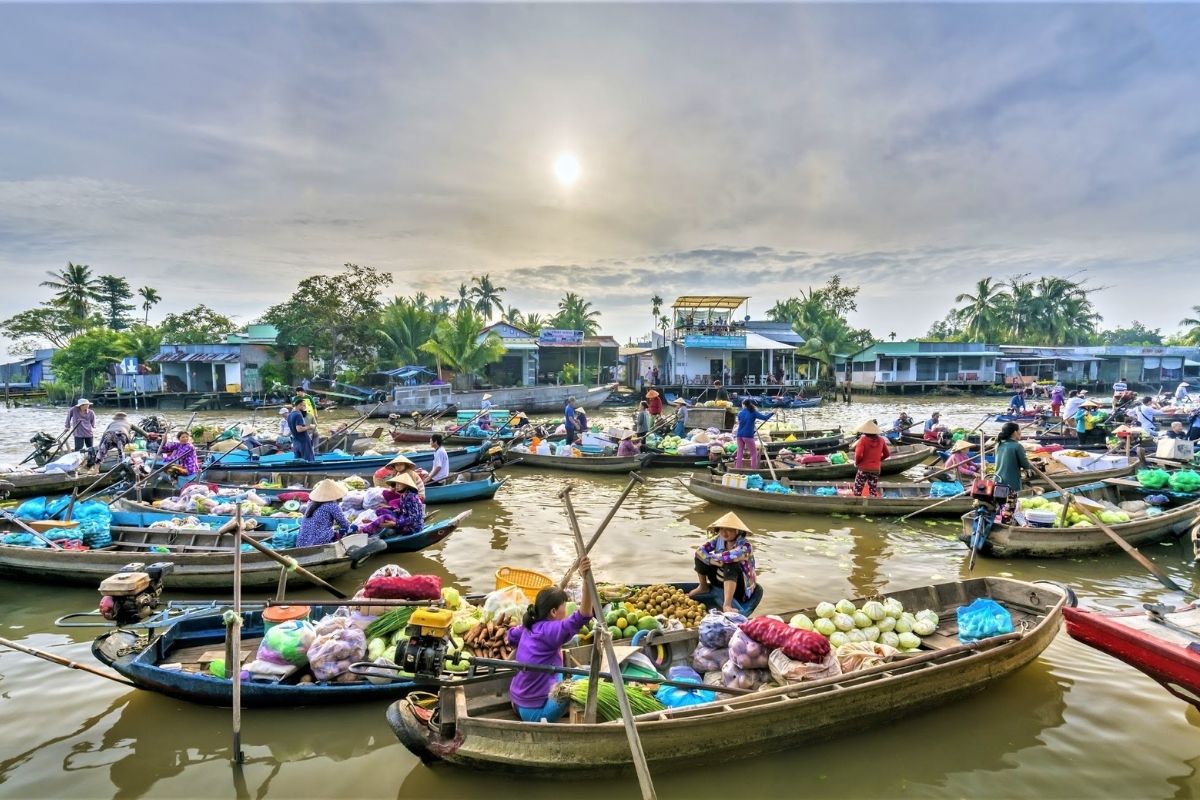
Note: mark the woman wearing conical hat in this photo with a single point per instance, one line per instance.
(323, 513)
(725, 567)
(869, 455)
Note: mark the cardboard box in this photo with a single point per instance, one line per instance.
(1178, 449)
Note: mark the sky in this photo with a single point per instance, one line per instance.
(222, 153)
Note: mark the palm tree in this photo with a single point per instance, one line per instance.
(533, 322)
(441, 306)
(1192, 334)
(486, 295)
(142, 341)
(983, 316)
(403, 327)
(892, 336)
(460, 344)
(577, 314)
(512, 315)
(150, 298)
(75, 290)
(464, 296)
(656, 308)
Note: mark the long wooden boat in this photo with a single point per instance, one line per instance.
(580, 464)
(473, 724)
(202, 559)
(531, 399)
(1067, 478)
(1007, 541)
(35, 484)
(132, 514)
(903, 457)
(464, 487)
(235, 471)
(185, 644)
(898, 498)
(1165, 646)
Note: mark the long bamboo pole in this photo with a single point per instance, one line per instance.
(53, 659)
(634, 479)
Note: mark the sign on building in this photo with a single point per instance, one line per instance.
(712, 342)
(559, 336)
(129, 366)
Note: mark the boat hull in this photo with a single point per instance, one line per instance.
(35, 484)
(764, 722)
(238, 471)
(583, 464)
(530, 399)
(1164, 657)
(900, 501)
(902, 459)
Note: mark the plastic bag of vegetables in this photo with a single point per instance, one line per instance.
(787, 670)
(1185, 480)
(747, 654)
(718, 627)
(796, 643)
(338, 644)
(709, 659)
(735, 677)
(678, 697)
(510, 600)
(283, 648)
(1153, 478)
(860, 655)
(983, 618)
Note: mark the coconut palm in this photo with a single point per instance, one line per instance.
(533, 322)
(656, 307)
(486, 295)
(403, 327)
(577, 314)
(75, 290)
(1192, 324)
(464, 296)
(150, 298)
(460, 344)
(512, 315)
(142, 341)
(984, 315)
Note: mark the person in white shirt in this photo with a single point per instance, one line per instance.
(1143, 415)
(1074, 401)
(1181, 392)
(440, 470)
(1120, 387)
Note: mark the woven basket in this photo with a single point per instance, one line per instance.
(526, 580)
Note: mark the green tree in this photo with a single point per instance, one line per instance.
(1136, 334)
(986, 312)
(459, 344)
(142, 341)
(656, 303)
(150, 298)
(486, 295)
(113, 296)
(405, 325)
(337, 316)
(819, 316)
(76, 291)
(1191, 325)
(464, 296)
(512, 315)
(577, 314)
(88, 356)
(199, 325)
(31, 328)
(533, 322)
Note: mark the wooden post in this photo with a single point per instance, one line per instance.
(233, 643)
(635, 743)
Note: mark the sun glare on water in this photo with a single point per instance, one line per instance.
(566, 169)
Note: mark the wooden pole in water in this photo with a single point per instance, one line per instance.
(233, 642)
(53, 659)
(635, 743)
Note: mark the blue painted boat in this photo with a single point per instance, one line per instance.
(429, 535)
(339, 463)
(188, 639)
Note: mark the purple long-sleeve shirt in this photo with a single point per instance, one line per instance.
(542, 645)
(183, 454)
(87, 423)
(318, 528)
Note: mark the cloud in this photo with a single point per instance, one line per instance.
(223, 154)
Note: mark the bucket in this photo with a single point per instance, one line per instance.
(274, 615)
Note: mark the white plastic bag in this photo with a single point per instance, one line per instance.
(509, 600)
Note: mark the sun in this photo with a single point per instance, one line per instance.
(566, 169)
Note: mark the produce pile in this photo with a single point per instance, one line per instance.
(608, 708)
(885, 622)
(1153, 478)
(669, 601)
(1185, 480)
(1074, 518)
(490, 639)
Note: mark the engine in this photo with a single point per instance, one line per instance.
(133, 594)
(428, 640)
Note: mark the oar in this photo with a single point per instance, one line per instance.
(284, 561)
(602, 635)
(345, 432)
(981, 424)
(20, 523)
(634, 479)
(53, 659)
(1154, 569)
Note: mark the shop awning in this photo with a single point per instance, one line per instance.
(756, 341)
(714, 302)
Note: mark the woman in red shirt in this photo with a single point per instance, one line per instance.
(869, 455)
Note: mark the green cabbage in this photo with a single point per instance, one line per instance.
(826, 610)
(844, 606)
(861, 620)
(802, 622)
(824, 626)
(874, 609)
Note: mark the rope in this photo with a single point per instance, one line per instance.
(292, 564)
(231, 618)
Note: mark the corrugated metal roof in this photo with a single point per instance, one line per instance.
(714, 302)
(222, 357)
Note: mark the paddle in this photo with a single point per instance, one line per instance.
(53, 659)
(602, 635)
(1154, 570)
(634, 479)
(234, 526)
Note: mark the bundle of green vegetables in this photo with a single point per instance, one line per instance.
(608, 707)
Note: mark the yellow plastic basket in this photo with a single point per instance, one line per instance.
(526, 580)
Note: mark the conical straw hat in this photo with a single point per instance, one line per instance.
(730, 520)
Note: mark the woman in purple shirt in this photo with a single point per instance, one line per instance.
(539, 640)
(323, 512)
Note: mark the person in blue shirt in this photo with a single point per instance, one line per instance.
(746, 419)
(1017, 404)
(302, 444)
(569, 420)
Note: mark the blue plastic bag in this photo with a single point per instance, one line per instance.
(32, 509)
(677, 697)
(754, 482)
(56, 506)
(983, 618)
(946, 488)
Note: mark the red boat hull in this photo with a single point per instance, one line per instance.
(1174, 666)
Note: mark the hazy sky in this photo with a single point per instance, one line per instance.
(222, 153)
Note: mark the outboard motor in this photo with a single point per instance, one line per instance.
(428, 640)
(133, 594)
(43, 447)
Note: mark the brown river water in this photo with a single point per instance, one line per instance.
(1075, 723)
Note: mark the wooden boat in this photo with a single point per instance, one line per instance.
(1006, 541)
(196, 638)
(202, 559)
(473, 724)
(132, 514)
(236, 470)
(898, 498)
(1164, 643)
(903, 457)
(36, 484)
(580, 464)
(1066, 478)
(464, 487)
